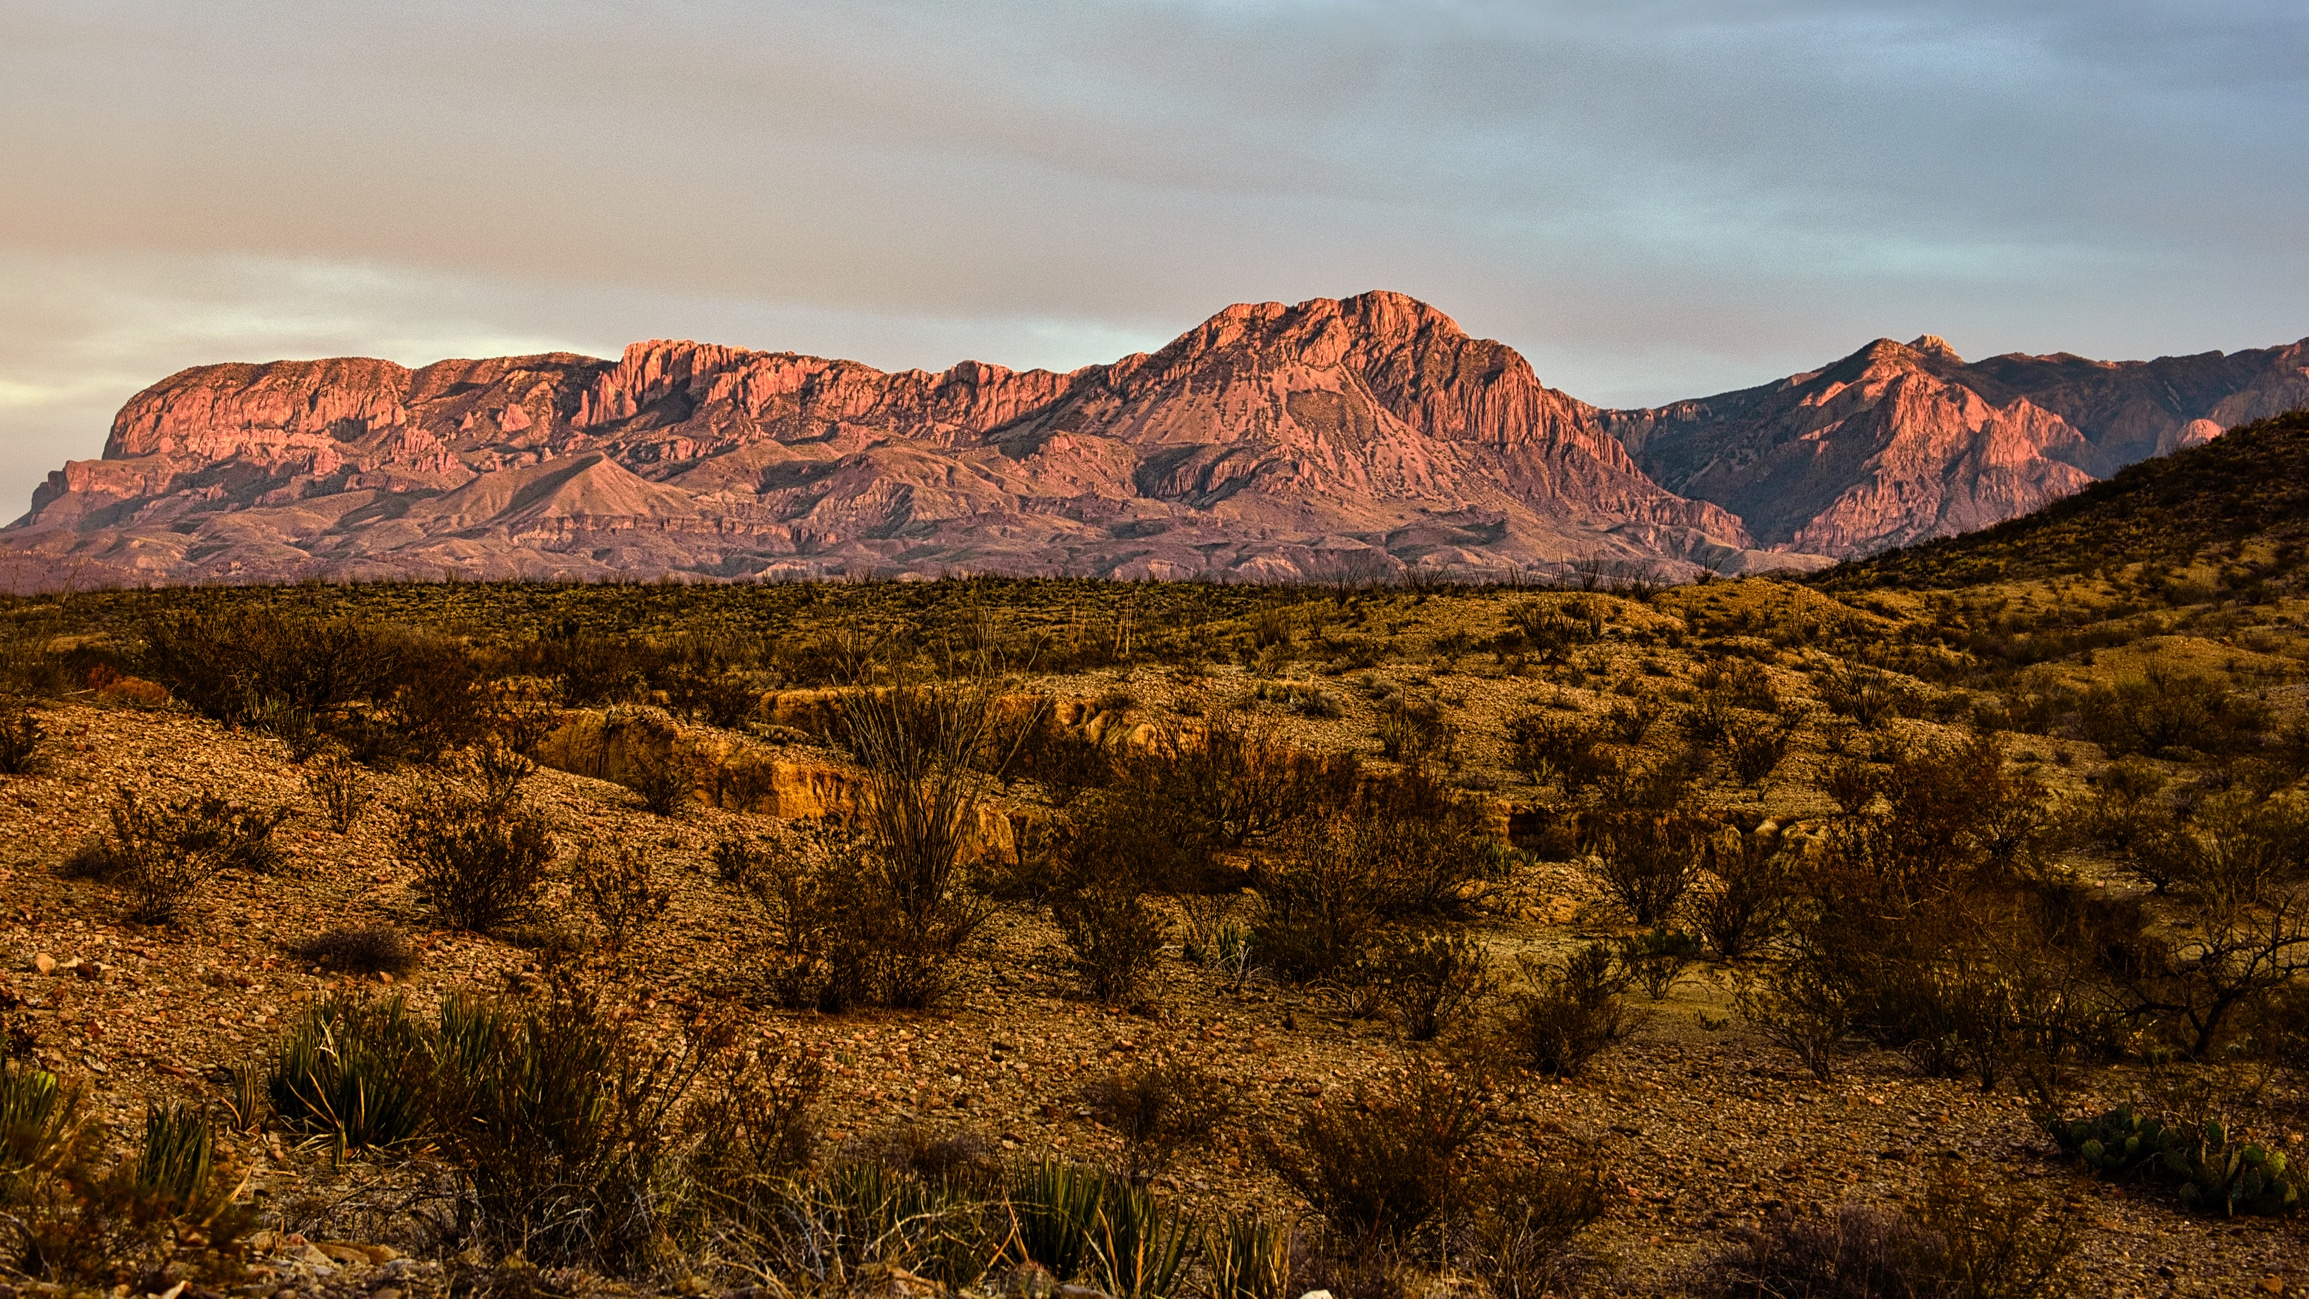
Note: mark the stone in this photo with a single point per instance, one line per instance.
(44, 963)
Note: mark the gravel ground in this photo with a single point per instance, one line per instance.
(1703, 1127)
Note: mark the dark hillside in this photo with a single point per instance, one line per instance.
(2253, 480)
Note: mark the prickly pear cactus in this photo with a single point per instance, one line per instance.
(2212, 1173)
(2219, 1177)
(2117, 1142)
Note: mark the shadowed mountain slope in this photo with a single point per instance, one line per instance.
(2249, 486)
(1901, 443)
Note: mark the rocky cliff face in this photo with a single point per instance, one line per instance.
(1902, 443)
(1357, 438)
(1334, 438)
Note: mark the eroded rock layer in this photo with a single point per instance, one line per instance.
(1353, 438)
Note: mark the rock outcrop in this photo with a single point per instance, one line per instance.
(1897, 443)
(1354, 438)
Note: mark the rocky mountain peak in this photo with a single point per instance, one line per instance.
(1936, 347)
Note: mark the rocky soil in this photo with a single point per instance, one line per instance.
(1703, 1127)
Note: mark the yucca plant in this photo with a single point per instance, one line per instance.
(245, 1097)
(1054, 1209)
(353, 1071)
(1247, 1257)
(864, 1212)
(38, 1121)
(1139, 1243)
(178, 1158)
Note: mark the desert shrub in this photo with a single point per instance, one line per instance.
(1738, 683)
(385, 692)
(1963, 1242)
(1852, 783)
(1231, 786)
(1431, 980)
(1568, 1011)
(1748, 893)
(1415, 732)
(1404, 847)
(1115, 935)
(843, 934)
(738, 859)
(1550, 746)
(1631, 720)
(20, 736)
(1549, 629)
(481, 865)
(1300, 698)
(920, 745)
(353, 1072)
(369, 949)
(752, 1127)
(2165, 710)
(1655, 959)
(618, 883)
(338, 785)
(1063, 760)
(1646, 861)
(1866, 695)
(1160, 1110)
(1382, 1164)
(161, 853)
(663, 781)
(1524, 1218)
(559, 1121)
(1849, 1252)
(1803, 1005)
(1755, 744)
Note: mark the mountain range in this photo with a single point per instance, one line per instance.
(1336, 439)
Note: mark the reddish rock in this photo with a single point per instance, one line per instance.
(1902, 443)
(1334, 438)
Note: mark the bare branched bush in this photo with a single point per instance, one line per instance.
(163, 852)
(1646, 861)
(480, 864)
(1432, 980)
(1748, 892)
(1567, 1012)
(20, 736)
(1160, 1111)
(617, 882)
(338, 784)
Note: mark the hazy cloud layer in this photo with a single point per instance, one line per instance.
(1660, 200)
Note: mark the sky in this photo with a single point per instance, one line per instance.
(1651, 199)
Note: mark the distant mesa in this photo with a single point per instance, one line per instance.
(1361, 438)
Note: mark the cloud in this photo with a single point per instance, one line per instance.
(1651, 199)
